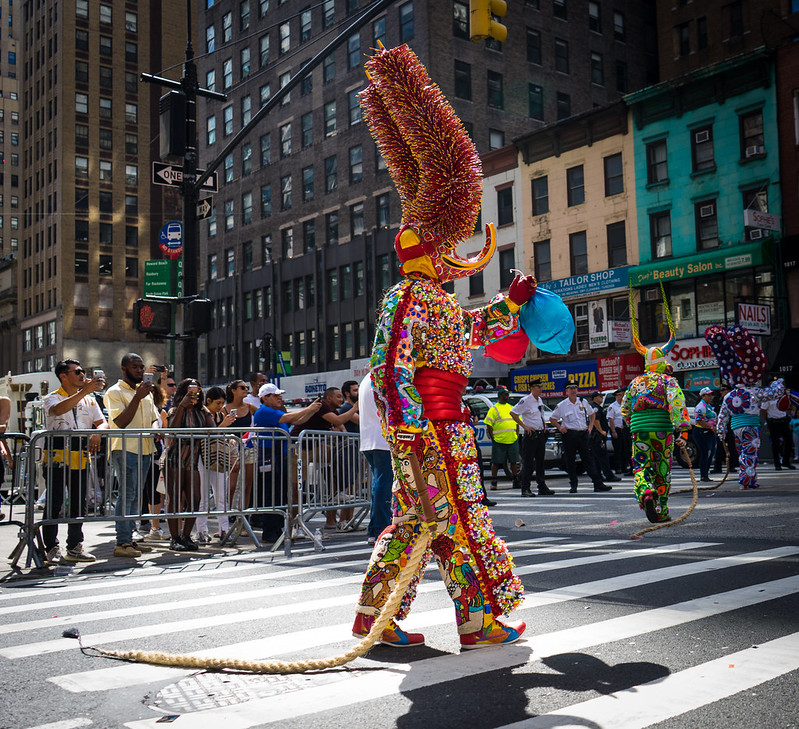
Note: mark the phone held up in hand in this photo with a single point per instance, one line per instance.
(149, 377)
(99, 375)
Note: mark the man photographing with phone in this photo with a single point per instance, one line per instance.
(130, 405)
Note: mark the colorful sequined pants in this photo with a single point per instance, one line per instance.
(652, 468)
(747, 441)
(474, 563)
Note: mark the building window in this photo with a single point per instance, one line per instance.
(106, 201)
(379, 32)
(354, 51)
(131, 174)
(701, 33)
(246, 159)
(356, 164)
(266, 201)
(284, 32)
(106, 174)
(332, 285)
(578, 253)
(617, 245)
(244, 14)
(210, 130)
(227, 73)
(331, 174)
(82, 103)
(328, 68)
(735, 18)
(755, 199)
(540, 191)
(210, 36)
(228, 165)
(266, 149)
(496, 139)
(285, 192)
(460, 20)
(581, 330)
(131, 113)
(246, 208)
(308, 236)
(618, 26)
(561, 55)
(505, 206)
(575, 185)
(230, 217)
(81, 135)
(752, 139)
(330, 118)
(263, 50)
(356, 219)
(683, 32)
(614, 175)
(246, 109)
(82, 9)
(463, 80)
(621, 77)
(533, 46)
(305, 26)
(285, 140)
(597, 69)
(406, 22)
(307, 184)
(535, 101)
(594, 17)
(496, 96)
(82, 72)
(382, 208)
(287, 242)
(507, 261)
(657, 165)
(660, 230)
(227, 120)
(227, 27)
(563, 105)
(331, 228)
(106, 47)
(542, 260)
(82, 168)
(702, 149)
(559, 9)
(476, 284)
(354, 108)
(707, 225)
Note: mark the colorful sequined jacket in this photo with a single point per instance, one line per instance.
(656, 391)
(741, 406)
(421, 325)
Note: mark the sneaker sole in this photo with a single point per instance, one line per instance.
(475, 646)
(389, 643)
(650, 510)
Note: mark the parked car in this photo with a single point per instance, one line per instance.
(480, 402)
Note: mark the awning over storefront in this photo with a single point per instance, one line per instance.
(725, 259)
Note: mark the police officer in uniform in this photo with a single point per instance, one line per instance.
(529, 413)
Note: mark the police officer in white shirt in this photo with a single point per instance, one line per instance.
(622, 446)
(529, 413)
(574, 418)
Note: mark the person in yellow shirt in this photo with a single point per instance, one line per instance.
(504, 435)
(130, 405)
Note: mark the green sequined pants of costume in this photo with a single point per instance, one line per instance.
(652, 467)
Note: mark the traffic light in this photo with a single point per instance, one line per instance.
(481, 23)
(152, 317)
(172, 113)
(197, 317)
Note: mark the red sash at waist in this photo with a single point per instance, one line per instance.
(441, 393)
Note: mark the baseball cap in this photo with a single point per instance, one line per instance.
(595, 393)
(502, 388)
(270, 388)
(705, 391)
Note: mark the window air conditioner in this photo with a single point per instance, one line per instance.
(702, 136)
(652, 295)
(707, 211)
(755, 234)
(754, 150)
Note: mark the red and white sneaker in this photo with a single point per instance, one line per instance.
(495, 634)
(393, 635)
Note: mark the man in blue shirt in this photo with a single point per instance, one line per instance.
(272, 472)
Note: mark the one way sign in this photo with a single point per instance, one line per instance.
(204, 208)
(172, 176)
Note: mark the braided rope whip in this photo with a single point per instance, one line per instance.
(157, 658)
(723, 479)
(683, 517)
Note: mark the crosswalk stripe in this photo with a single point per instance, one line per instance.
(544, 645)
(678, 693)
(66, 724)
(217, 582)
(414, 621)
(252, 596)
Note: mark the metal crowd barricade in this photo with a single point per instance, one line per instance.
(125, 475)
(331, 474)
(13, 491)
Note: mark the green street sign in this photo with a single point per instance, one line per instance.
(158, 277)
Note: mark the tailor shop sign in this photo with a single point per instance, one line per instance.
(690, 354)
(728, 259)
(589, 283)
(605, 373)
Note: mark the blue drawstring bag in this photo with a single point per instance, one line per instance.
(548, 322)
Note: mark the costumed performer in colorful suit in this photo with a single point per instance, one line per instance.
(743, 363)
(421, 361)
(653, 408)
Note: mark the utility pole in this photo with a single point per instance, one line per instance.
(190, 89)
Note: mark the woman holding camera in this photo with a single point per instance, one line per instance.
(242, 412)
(183, 455)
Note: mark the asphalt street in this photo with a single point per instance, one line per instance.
(691, 626)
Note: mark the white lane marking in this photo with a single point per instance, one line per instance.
(678, 693)
(435, 617)
(216, 582)
(66, 724)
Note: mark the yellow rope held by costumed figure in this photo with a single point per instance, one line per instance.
(683, 517)
(723, 479)
(157, 658)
